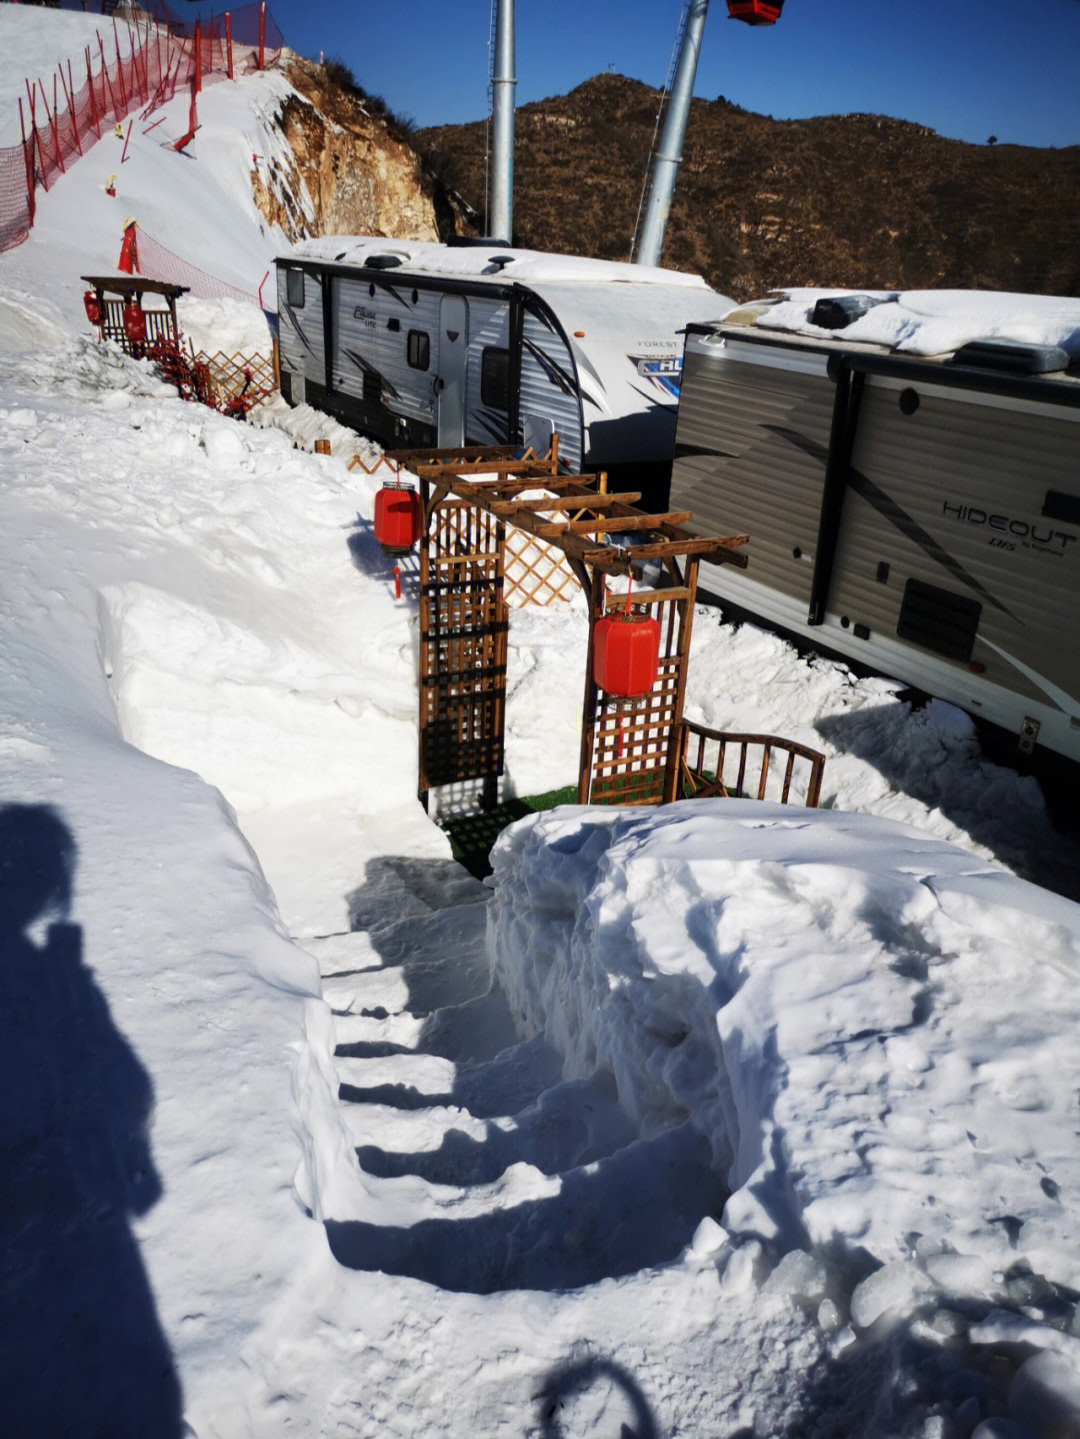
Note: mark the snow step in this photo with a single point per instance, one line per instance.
(473, 1032)
(411, 1200)
(575, 1123)
(376, 992)
(635, 1210)
(427, 965)
(347, 953)
(426, 1073)
(414, 1130)
(502, 1086)
(400, 1029)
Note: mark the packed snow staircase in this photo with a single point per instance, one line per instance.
(487, 1171)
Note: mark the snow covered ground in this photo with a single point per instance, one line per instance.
(716, 1121)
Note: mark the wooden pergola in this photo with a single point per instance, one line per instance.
(113, 292)
(632, 751)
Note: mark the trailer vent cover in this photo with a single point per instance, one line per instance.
(1014, 359)
(382, 262)
(939, 620)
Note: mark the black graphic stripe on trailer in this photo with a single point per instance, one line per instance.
(655, 398)
(367, 368)
(389, 289)
(895, 514)
(299, 330)
(559, 377)
(491, 423)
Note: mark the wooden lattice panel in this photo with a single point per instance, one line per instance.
(237, 376)
(463, 642)
(536, 573)
(626, 744)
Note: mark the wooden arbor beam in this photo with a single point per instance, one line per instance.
(469, 496)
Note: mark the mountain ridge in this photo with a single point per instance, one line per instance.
(890, 204)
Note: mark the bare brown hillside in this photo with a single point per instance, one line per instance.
(845, 200)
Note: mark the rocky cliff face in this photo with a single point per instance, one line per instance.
(343, 172)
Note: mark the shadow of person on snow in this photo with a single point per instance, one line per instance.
(83, 1351)
(592, 1388)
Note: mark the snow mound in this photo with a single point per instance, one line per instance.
(235, 327)
(875, 1029)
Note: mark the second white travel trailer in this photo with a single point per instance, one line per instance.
(419, 344)
(908, 470)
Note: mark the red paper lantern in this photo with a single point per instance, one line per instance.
(626, 654)
(134, 322)
(93, 314)
(756, 12)
(397, 518)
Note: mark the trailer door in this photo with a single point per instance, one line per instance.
(450, 383)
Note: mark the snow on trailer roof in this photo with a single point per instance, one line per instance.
(495, 262)
(588, 307)
(922, 323)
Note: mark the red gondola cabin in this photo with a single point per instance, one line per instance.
(756, 12)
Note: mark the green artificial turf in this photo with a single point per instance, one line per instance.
(472, 835)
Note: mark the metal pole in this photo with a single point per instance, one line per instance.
(120, 73)
(93, 97)
(70, 107)
(658, 205)
(28, 158)
(502, 181)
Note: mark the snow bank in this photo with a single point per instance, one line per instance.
(232, 326)
(876, 1030)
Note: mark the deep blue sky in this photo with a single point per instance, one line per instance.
(967, 68)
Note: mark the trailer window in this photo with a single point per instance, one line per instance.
(1059, 505)
(418, 351)
(495, 378)
(294, 288)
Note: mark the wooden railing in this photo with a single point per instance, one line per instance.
(714, 762)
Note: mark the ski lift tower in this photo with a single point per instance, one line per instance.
(669, 155)
(503, 83)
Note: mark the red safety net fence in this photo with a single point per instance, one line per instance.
(136, 67)
(158, 263)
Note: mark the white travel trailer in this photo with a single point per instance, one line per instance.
(908, 470)
(423, 344)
